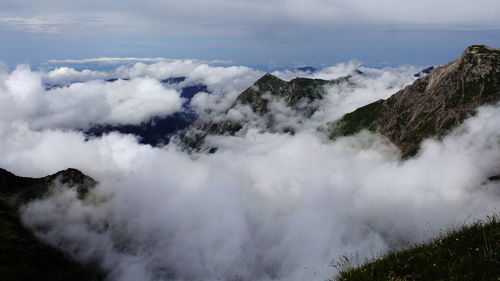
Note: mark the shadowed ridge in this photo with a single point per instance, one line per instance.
(22, 256)
(24, 189)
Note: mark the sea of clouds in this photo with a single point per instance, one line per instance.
(265, 206)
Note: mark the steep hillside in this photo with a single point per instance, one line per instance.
(470, 253)
(22, 256)
(433, 104)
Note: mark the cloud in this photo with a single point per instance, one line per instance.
(34, 24)
(81, 105)
(229, 18)
(339, 99)
(67, 75)
(105, 60)
(265, 206)
(226, 83)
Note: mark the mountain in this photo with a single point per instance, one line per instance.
(22, 256)
(432, 105)
(299, 94)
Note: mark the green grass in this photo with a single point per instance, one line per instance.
(365, 117)
(468, 253)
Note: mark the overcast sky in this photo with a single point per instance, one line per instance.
(270, 33)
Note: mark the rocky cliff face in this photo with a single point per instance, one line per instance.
(22, 256)
(433, 104)
(299, 94)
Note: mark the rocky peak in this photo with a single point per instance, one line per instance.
(433, 104)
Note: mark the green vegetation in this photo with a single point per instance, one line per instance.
(467, 253)
(362, 118)
(311, 89)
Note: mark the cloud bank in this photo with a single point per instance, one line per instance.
(81, 105)
(266, 206)
(229, 18)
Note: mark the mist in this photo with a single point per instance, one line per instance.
(265, 206)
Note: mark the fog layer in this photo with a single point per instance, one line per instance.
(266, 206)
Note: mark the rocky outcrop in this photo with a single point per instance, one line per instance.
(433, 104)
(293, 92)
(22, 256)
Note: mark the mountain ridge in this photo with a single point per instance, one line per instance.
(432, 105)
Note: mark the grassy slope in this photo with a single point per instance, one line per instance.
(469, 253)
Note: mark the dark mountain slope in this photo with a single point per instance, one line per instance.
(22, 256)
(433, 104)
(154, 132)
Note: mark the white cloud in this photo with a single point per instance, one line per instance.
(242, 17)
(265, 206)
(66, 75)
(82, 104)
(106, 60)
(33, 24)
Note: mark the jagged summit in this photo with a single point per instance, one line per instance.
(433, 104)
(480, 49)
(268, 77)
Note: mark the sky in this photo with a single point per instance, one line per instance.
(269, 34)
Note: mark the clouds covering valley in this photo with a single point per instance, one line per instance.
(266, 205)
